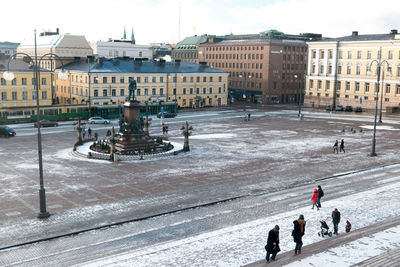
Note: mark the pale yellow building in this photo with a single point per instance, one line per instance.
(20, 92)
(343, 71)
(106, 82)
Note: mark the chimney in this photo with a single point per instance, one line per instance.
(354, 33)
(393, 31)
(57, 30)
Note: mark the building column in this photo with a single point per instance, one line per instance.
(309, 61)
(326, 62)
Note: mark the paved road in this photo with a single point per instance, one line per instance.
(93, 246)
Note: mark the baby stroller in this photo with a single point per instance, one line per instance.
(324, 229)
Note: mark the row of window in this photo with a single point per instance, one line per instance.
(236, 65)
(246, 75)
(185, 55)
(235, 56)
(356, 97)
(230, 48)
(139, 92)
(22, 81)
(368, 70)
(153, 79)
(5, 96)
(359, 54)
(246, 84)
(357, 87)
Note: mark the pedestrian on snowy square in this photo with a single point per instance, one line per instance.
(83, 133)
(342, 146)
(96, 136)
(314, 199)
(335, 147)
(320, 195)
(335, 220)
(89, 132)
(298, 232)
(348, 226)
(163, 128)
(166, 129)
(272, 246)
(248, 116)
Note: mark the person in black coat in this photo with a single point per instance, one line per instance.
(320, 195)
(298, 232)
(272, 246)
(335, 220)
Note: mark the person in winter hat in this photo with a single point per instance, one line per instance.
(335, 220)
(320, 195)
(298, 232)
(314, 199)
(348, 226)
(335, 147)
(272, 246)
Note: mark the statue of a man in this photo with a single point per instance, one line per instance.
(132, 88)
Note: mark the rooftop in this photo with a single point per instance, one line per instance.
(137, 66)
(354, 37)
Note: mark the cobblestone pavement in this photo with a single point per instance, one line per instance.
(229, 158)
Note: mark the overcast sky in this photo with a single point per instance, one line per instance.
(157, 20)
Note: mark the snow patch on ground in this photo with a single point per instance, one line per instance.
(212, 136)
(379, 127)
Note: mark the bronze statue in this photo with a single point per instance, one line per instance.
(132, 88)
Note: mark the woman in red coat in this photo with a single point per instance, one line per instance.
(314, 199)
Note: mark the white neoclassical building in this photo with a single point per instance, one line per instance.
(121, 48)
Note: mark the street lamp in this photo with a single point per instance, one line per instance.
(379, 62)
(36, 73)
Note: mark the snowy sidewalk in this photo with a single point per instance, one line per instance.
(346, 249)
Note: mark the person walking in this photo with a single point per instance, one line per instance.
(342, 146)
(272, 246)
(96, 136)
(320, 195)
(89, 133)
(83, 133)
(335, 220)
(298, 232)
(314, 199)
(335, 147)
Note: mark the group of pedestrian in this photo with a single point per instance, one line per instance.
(89, 132)
(316, 197)
(336, 147)
(164, 128)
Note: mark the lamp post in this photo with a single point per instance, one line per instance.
(36, 73)
(379, 62)
(380, 112)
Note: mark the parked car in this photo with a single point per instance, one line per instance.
(348, 108)
(6, 131)
(167, 115)
(76, 122)
(329, 108)
(96, 120)
(46, 123)
(358, 109)
(339, 108)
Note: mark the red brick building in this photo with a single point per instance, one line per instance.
(268, 67)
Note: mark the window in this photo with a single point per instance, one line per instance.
(153, 79)
(219, 90)
(162, 79)
(153, 91)
(204, 90)
(322, 54)
(328, 85)
(122, 92)
(104, 79)
(210, 90)
(321, 69)
(368, 68)
(146, 91)
(24, 95)
(204, 79)
(184, 79)
(369, 54)
(389, 70)
(387, 88)
(44, 95)
(339, 69)
(311, 83)
(211, 78)
(184, 91)
(113, 92)
(4, 96)
(174, 79)
(314, 54)
(347, 86)
(3, 81)
(23, 81)
(95, 92)
(340, 54)
(219, 79)
(348, 69)
(390, 54)
(138, 92)
(112, 79)
(313, 69)
(357, 87)
(330, 69)
(398, 71)
(95, 80)
(348, 54)
(397, 89)
(104, 92)
(366, 87)
(121, 80)
(358, 69)
(34, 95)
(137, 79)
(14, 81)
(338, 86)
(146, 79)
(174, 91)
(161, 91)
(358, 54)
(386, 99)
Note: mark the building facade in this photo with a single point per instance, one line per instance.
(187, 49)
(8, 48)
(106, 83)
(342, 71)
(21, 92)
(121, 48)
(268, 67)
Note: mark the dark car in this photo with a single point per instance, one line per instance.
(358, 109)
(46, 123)
(348, 108)
(329, 108)
(167, 115)
(339, 108)
(6, 131)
